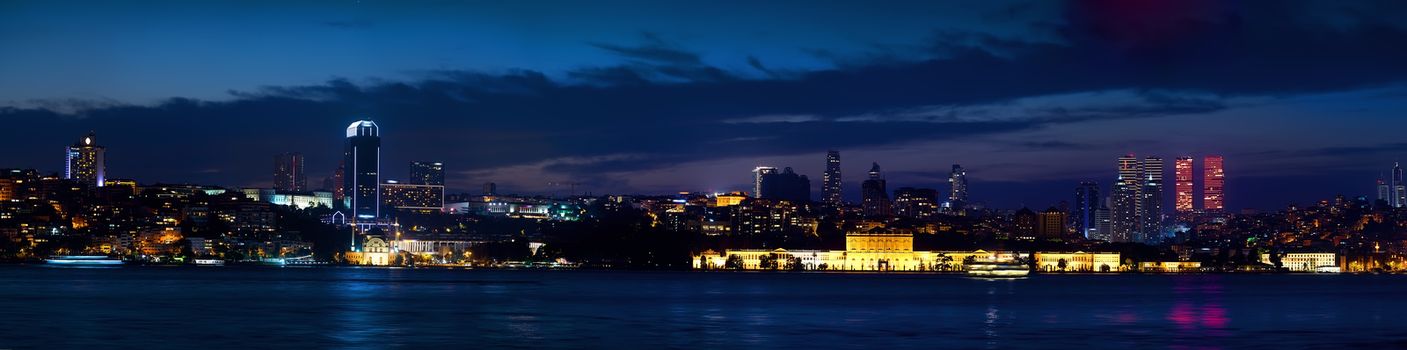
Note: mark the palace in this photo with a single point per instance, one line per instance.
(884, 249)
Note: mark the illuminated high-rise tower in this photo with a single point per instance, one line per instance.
(84, 161)
(874, 196)
(1399, 189)
(830, 181)
(760, 175)
(1083, 214)
(957, 180)
(363, 180)
(1182, 184)
(288, 172)
(1151, 205)
(1213, 181)
(1124, 213)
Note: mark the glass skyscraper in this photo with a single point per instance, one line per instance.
(830, 181)
(363, 177)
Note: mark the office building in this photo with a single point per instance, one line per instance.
(1384, 193)
(1051, 224)
(427, 173)
(830, 181)
(957, 180)
(1082, 215)
(1182, 185)
(84, 162)
(1124, 206)
(363, 180)
(490, 189)
(874, 198)
(916, 203)
(1151, 205)
(288, 172)
(785, 185)
(759, 175)
(1214, 181)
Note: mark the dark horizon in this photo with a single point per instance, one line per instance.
(1032, 97)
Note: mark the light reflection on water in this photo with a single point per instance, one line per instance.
(380, 308)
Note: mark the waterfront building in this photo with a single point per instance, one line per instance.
(957, 181)
(1170, 266)
(1077, 262)
(288, 172)
(830, 181)
(375, 252)
(878, 248)
(1214, 182)
(1082, 215)
(1304, 262)
(874, 197)
(84, 162)
(427, 173)
(363, 183)
(1182, 185)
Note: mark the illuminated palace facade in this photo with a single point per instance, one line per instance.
(881, 249)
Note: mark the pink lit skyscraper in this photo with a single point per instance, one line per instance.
(1213, 182)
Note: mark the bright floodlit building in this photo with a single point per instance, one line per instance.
(84, 161)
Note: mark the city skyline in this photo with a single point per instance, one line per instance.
(915, 97)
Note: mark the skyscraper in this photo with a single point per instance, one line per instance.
(1213, 181)
(786, 185)
(874, 196)
(288, 172)
(490, 189)
(1087, 202)
(427, 173)
(1399, 189)
(363, 158)
(1384, 194)
(84, 161)
(830, 181)
(958, 181)
(1182, 184)
(1151, 204)
(1124, 213)
(759, 176)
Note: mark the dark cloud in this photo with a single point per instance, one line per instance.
(664, 105)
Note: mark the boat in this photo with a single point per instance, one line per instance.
(208, 262)
(83, 260)
(997, 269)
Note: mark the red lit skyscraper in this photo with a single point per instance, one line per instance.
(1213, 180)
(1182, 176)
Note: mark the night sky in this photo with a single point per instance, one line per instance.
(1304, 99)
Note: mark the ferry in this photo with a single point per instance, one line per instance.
(83, 260)
(997, 269)
(208, 262)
